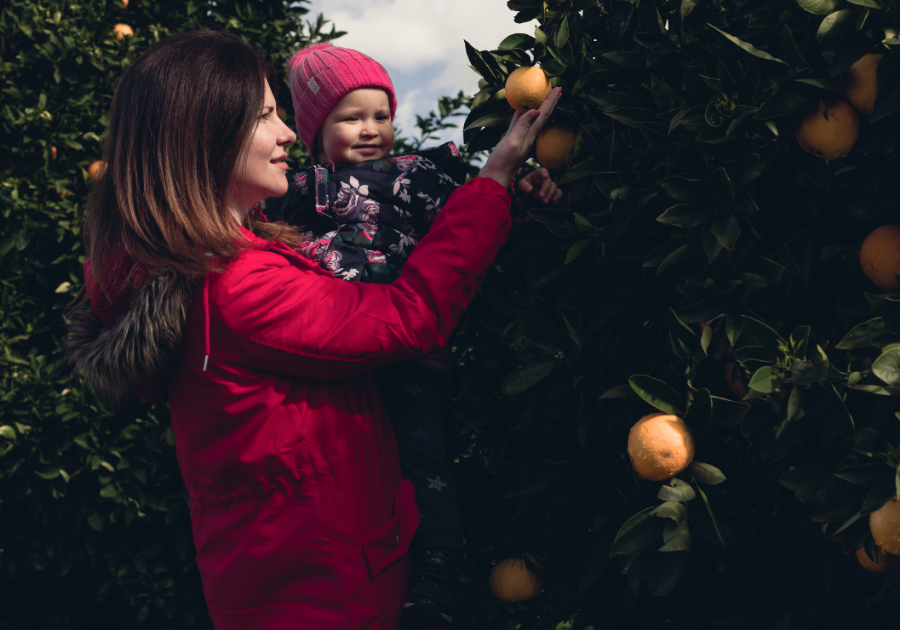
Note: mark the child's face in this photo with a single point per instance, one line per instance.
(357, 129)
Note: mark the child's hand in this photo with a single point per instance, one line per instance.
(538, 184)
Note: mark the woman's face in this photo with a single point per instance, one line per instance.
(261, 174)
(357, 129)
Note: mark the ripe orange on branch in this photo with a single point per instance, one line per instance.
(553, 145)
(861, 83)
(95, 170)
(122, 31)
(660, 446)
(526, 88)
(884, 523)
(885, 563)
(830, 138)
(879, 257)
(512, 581)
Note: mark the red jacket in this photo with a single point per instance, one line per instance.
(301, 518)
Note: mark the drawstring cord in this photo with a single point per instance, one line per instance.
(206, 319)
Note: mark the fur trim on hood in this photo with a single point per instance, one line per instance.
(134, 356)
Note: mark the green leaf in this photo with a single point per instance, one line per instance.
(879, 495)
(726, 229)
(676, 490)
(863, 335)
(624, 59)
(811, 483)
(519, 41)
(727, 412)
(748, 47)
(664, 570)
(820, 7)
(834, 24)
(868, 475)
(839, 504)
(706, 473)
(562, 33)
(688, 215)
(577, 249)
(700, 411)
(711, 515)
(637, 534)
(672, 510)
(766, 379)
(527, 376)
(491, 120)
(887, 367)
(784, 104)
(677, 537)
(657, 394)
(588, 167)
(686, 7)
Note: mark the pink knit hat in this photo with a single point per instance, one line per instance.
(321, 74)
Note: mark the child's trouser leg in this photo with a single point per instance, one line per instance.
(412, 395)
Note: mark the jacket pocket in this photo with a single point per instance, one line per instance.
(390, 542)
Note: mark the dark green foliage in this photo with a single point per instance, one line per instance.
(687, 198)
(94, 518)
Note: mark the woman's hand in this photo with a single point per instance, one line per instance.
(539, 185)
(508, 155)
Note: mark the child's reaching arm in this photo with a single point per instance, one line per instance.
(538, 185)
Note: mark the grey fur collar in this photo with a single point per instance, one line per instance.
(138, 351)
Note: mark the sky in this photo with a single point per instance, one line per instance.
(420, 44)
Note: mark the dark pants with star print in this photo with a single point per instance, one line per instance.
(412, 394)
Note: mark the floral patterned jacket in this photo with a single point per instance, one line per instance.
(363, 221)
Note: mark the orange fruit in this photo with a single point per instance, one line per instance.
(884, 523)
(122, 31)
(96, 169)
(879, 257)
(886, 562)
(660, 446)
(830, 138)
(526, 88)
(53, 152)
(553, 145)
(861, 84)
(512, 581)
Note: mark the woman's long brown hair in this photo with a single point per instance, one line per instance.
(179, 121)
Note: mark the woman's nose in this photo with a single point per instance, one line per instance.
(287, 137)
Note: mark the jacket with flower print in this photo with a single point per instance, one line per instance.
(363, 221)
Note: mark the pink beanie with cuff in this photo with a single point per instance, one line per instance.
(320, 75)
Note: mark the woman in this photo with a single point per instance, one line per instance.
(300, 516)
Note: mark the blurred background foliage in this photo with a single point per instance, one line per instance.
(94, 526)
(687, 198)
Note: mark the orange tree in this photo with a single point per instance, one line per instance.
(704, 263)
(94, 525)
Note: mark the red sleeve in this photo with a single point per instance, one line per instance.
(289, 318)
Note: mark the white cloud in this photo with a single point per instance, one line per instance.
(420, 43)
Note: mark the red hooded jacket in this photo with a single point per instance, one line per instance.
(300, 515)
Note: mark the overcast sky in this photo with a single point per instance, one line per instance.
(420, 43)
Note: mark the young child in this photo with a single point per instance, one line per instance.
(364, 213)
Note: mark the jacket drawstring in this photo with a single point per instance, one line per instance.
(206, 319)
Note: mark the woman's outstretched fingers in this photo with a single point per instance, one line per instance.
(515, 146)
